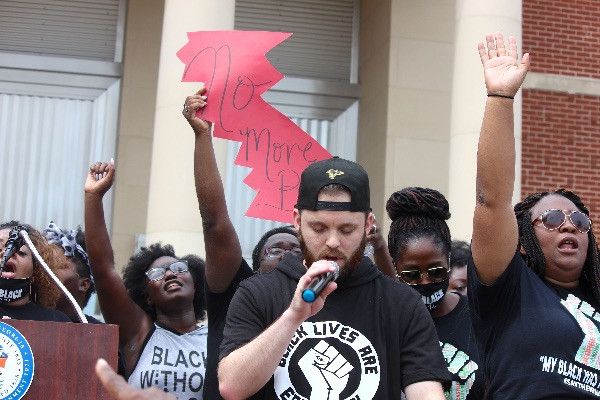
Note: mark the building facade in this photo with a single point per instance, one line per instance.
(406, 102)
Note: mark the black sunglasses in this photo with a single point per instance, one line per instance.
(413, 276)
(553, 219)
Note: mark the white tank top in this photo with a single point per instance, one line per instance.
(172, 362)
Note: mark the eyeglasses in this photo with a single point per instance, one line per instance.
(553, 219)
(277, 252)
(413, 276)
(158, 273)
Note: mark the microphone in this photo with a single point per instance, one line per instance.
(318, 283)
(12, 245)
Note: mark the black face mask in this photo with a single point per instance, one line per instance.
(432, 293)
(14, 289)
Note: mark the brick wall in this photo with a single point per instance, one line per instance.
(561, 131)
(563, 37)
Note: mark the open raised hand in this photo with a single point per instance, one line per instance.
(503, 73)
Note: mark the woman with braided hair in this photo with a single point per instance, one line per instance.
(419, 243)
(76, 274)
(534, 276)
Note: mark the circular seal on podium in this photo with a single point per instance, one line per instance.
(16, 363)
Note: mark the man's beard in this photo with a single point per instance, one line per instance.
(350, 264)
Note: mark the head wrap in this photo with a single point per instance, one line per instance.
(67, 241)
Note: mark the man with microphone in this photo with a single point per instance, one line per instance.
(302, 331)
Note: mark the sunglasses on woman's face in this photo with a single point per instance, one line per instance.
(413, 276)
(553, 219)
(158, 273)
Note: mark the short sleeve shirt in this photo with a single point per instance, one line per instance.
(460, 352)
(217, 305)
(33, 312)
(535, 341)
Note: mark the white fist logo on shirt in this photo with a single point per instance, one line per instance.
(326, 370)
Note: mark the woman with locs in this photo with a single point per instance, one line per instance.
(534, 279)
(420, 244)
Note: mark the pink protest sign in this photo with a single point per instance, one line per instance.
(233, 66)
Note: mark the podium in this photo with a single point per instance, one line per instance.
(65, 355)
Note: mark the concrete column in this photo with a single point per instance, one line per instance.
(374, 73)
(173, 215)
(136, 125)
(474, 18)
(406, 80)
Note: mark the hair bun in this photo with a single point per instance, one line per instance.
(418, 201)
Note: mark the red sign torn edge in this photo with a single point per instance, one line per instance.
(233, 66)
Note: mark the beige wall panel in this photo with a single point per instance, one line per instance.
(173, 215)
(474, 19)
(418, 163)
(135, 119)
(374, 27)
(373, 78)
(490, 10)
(371, 145)
(424, 20)
(181, 240)
(412, 162)
(420, 37)
(425, 116)
(370, 8)
(136, 122)
(135, 160)
(463, 163)
(421, 64)
(122, 246)
(419, 93)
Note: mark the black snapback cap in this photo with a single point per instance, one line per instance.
(334, 171)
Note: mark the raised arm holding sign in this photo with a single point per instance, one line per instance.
(233, 66)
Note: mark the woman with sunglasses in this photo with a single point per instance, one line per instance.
(534, 279)
(157, 305)
(419, 243)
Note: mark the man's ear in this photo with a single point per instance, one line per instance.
(296, 218)
(369, 223)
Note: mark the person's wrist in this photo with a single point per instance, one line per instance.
(292, 316)
(201, 131)
(96, 195)
(501, 95)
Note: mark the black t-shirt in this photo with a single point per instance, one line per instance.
(32, 312)
(372, 338)
(533, 343)
(217, 305)
(460, 351)
(90, 320)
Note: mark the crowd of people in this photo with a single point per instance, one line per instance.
(423, 317)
